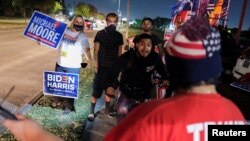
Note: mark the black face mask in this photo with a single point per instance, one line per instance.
(111, 28)
(78, 27)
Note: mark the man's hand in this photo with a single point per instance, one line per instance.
(25, 129)
(110, 91)
(165, 83)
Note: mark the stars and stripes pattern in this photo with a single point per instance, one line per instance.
(222, 16)
(225, 9)
(180, 6)
(179, 46)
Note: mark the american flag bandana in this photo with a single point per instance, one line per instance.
(181, 47)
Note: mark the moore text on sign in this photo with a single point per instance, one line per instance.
(45, 29)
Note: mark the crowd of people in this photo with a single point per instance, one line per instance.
(192, 66)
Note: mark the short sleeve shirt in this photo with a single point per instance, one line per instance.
(71, 49)
(109, 47)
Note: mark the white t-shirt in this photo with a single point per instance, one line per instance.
(71, 48)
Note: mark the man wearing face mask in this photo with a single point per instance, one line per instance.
(107, 47)
(72, 46)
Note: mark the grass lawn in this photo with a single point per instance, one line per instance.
(69, 127)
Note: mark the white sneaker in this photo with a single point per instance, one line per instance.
(91, 117)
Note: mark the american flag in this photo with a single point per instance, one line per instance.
(195, 6)
(181, 47)
(211, 5)
(180, 6)
(224, 12)
(225, 8)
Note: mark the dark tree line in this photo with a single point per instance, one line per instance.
(25, 7)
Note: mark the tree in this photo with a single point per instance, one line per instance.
(138, 22)
(100, 16)
(161, 22)
(57, 8)
(40, 5)
(44, 6)
(6, 7)
(22, 5)
(83, 9)
(93, 10)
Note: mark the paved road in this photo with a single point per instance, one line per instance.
(22, 62)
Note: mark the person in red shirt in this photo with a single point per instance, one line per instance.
(194, 65)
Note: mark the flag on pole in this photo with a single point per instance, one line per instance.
(181, 12)
(181, 5)
(195, 5)
(218, 10)
(202, 10)
(215, 13)
(225, 9)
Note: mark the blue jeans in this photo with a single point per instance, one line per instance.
(67, 70)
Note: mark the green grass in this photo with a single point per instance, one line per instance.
(69, 127)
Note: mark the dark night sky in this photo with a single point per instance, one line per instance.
(154, 8)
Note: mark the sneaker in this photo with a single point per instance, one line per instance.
(91, 117)
(112, 115)
(55, 104)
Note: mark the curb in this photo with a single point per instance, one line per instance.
(27, 107)
(35, 99)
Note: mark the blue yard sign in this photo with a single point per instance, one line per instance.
(45, 29)
(61, 84)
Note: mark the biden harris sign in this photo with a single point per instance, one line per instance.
(61, 84)
(45, 29)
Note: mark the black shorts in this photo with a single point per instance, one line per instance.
(98, 82)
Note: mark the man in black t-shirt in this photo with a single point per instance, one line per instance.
(135, 68)
(107, 47)
(147, 26)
